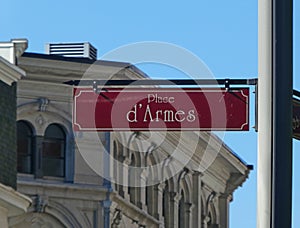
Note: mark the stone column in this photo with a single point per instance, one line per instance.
(123, 175)
(224, 200)
(106, 212)
(70, 160)
(172, 216)
(142, 182)
(158, 191)
(196, 211)
(156, 199)
(187, 215)
(37, 156)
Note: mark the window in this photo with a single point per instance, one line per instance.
(53, 151)
(24, 147)
(42, 155)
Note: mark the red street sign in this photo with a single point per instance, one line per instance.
(296, 119)
(143, 109)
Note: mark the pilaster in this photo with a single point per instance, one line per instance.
(197, 210)
(123, 170)
(171, 217)
(224, 200)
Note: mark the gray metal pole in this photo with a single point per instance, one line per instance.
(282, 113)
(264, 122)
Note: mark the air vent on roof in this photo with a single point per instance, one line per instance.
(83, 50)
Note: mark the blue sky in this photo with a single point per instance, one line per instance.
(222, 33)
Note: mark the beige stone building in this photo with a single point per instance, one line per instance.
(116, 179)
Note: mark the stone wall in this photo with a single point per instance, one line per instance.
(8, 156)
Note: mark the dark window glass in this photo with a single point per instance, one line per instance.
(53, 157)
(24, 147)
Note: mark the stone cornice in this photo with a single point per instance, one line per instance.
(133, 212)
(20, 46)
(15, 202)
(10, 73)
(58, 70)
(62, 189)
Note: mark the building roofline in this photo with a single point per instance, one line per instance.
(73, 59)
(9, 72)
(82, 60)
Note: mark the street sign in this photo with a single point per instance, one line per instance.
(159, 109)
(296, 119)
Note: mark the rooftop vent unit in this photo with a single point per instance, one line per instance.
(83, 50)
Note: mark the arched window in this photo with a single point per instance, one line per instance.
(53, 156)
(24, 147)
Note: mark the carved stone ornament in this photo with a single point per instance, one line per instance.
(40, 120)
(43, 104)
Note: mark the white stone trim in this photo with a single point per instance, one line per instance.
(10, 73)
(133, 212)
(15, 202)
(13, 49)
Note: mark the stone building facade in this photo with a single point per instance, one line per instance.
(88, 179)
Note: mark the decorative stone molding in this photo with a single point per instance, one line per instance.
(13, 49)
(43, 104)
(12, 203)
(15, 202)
(134, 213)
(9, 52)
(117, 218)
(10, 73)
(40, 120)
(40, 203)
(33, 219)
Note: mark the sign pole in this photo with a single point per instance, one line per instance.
(282, 112)
(274, 162)
(264, 154)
